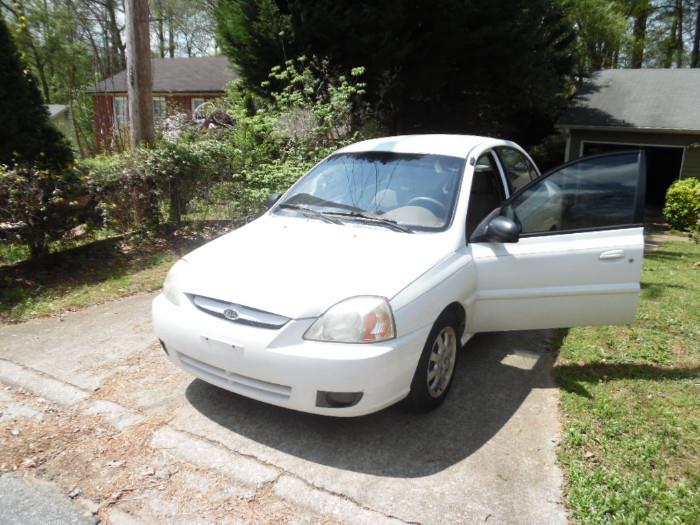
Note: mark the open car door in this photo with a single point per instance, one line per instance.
(575, 253)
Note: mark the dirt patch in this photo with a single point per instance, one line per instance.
(142, 377)
(91, 462)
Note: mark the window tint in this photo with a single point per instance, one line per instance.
(591, 193)
(486, 192)
(519, 170)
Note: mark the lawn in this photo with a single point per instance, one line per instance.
(631, 403)
(84, 274)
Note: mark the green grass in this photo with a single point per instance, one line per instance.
(90, 275)
(93, 272)
(13, 253)
(631, 403)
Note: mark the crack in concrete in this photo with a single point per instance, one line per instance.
(83, 406)
(282, 472)
(47, 375)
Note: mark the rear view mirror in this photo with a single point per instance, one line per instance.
(272, 199)
(502, 229)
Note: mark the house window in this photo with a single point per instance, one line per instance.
(159, 108)
(196, 102)
(121, 112)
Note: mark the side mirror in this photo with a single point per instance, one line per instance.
(272, 199)
(502, 229)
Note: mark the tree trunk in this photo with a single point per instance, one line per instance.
(140, 97)
(171, 33)
(140, 82)
(160, 28)
(680, 48)
(42, 74)
(116, 37)
(670, 46)
(695, 56)
(639, 33)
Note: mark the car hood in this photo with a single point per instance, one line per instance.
(298, 267)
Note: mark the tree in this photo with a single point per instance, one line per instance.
(640, 11)
(182, 27)
(695, 55)
(26, 135)
(256, 36)
(491, 67)
(673, 44)
(601, 27)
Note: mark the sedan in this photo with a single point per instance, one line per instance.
(360, 285)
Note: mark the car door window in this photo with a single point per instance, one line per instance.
(587, 194)
(519, 170)
(487, 191)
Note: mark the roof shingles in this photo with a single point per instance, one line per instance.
(178, 75)
(661, 99)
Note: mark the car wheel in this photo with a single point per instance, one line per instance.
(436, 366)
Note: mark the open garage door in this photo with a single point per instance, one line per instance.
(663, 167)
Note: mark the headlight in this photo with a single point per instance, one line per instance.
(364, 319)
(173, 282)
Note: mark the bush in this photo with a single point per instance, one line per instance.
(134, 188)
(38, 204)
(682, 210)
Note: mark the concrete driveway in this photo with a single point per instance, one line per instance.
(149, 443)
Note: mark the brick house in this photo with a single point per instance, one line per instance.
(179, 85)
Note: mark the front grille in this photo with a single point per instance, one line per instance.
(243, 314)
(235, 382)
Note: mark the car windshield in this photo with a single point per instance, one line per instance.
(414, 191)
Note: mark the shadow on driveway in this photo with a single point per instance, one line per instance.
(394, 442)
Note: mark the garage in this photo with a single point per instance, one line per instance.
(656, 110)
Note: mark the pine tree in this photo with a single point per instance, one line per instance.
(26, 134)
(255, 35)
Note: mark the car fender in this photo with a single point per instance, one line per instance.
(418, 305)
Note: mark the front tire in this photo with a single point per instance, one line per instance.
(435, 371)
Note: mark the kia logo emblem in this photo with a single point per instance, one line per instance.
(230, 314)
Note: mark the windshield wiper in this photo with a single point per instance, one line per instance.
(372, 218)
(309, 212)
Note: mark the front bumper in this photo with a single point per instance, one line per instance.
(280, 367)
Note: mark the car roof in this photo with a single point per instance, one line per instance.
(451, 145)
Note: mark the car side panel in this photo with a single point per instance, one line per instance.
(555, 281)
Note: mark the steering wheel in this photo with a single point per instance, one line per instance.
(434, 205)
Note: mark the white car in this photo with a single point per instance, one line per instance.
(360, 284)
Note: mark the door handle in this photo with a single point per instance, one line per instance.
(612, 255)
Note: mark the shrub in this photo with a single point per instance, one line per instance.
(39, 204)
(682, 210)
(116, 186)
(169, 174)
